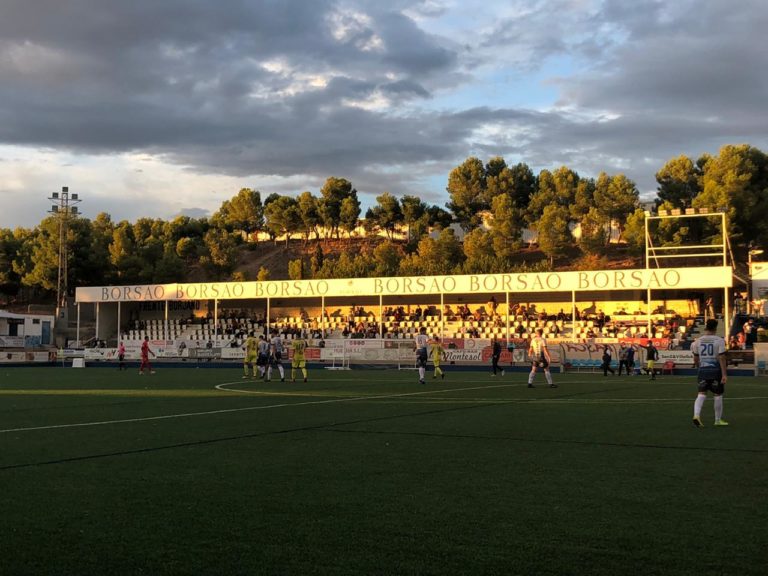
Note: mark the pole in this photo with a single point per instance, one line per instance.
(442, 316)
(78, 324)
(165, 328)
(118, 322)
(507, 328)
(648, 308)
(322, 316)
(573, 314)
(381, 316)
(216, 321)
(97, 322)
(726, 314)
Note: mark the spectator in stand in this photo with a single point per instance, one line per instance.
(492, 305)
(750, 333)
(709, 308)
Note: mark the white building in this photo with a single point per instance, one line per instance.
(25, 330)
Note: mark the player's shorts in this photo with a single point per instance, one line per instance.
(712, 385)
(262, 359)
(709, 381)
(121, 357)
(541, 362)
(250, 359)
(299, 362)
(278, 357)
(421, 358)
(650, 364)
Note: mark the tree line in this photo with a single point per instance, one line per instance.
(492, 202)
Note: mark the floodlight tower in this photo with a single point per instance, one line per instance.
(64, 207)
(716, 250)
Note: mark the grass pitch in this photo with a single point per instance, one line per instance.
(196, 471)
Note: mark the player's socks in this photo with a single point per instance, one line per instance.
(699, 404)
(548, 376)
(422, 372)
(718, 407)
(304, 372)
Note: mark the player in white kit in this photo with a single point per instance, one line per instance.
(422, 340)
(709, 355)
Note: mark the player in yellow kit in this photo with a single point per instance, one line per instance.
(299, 345)
(437, 354)
(251, 353)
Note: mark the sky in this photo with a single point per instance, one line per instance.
(157, 109)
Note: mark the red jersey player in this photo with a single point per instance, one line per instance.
(145, 352)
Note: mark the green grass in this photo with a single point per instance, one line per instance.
(367, 472)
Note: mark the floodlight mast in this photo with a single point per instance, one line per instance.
(63, 207)
(713, 250)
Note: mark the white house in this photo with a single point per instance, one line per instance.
(25, 330)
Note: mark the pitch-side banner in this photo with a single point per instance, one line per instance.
(527, 282)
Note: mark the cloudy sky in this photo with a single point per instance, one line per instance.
(158, 108)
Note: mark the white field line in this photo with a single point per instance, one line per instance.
(232, 410)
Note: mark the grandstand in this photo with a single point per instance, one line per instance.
(466, 311)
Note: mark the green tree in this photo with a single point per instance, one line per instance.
(594, 233)
(435, 256)
(10, 281)
(466, 188)
(558, 187)
(316, 261)
(524, 185)
(386, 258)
(307, 207)
(553, 234)
(283, 217)
(479, 250)
(414, 216)
(296, 269)
(221, 256)
(506, 226)
(333, 193)
(679, 182)
(386, 214)
(243, 212)
(737, 181)
(349, 216)
(634, 232)
(617, 200)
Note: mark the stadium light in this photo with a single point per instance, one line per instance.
(753, 252)
(63, 208)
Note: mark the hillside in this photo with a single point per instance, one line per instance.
(276, 256)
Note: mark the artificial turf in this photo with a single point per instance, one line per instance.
(367, 472)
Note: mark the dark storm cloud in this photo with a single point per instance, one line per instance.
(657, 79)
(284, 88)
(113, 76)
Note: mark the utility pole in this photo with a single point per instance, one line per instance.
(64, 207)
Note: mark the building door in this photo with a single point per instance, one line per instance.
(46, 335)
